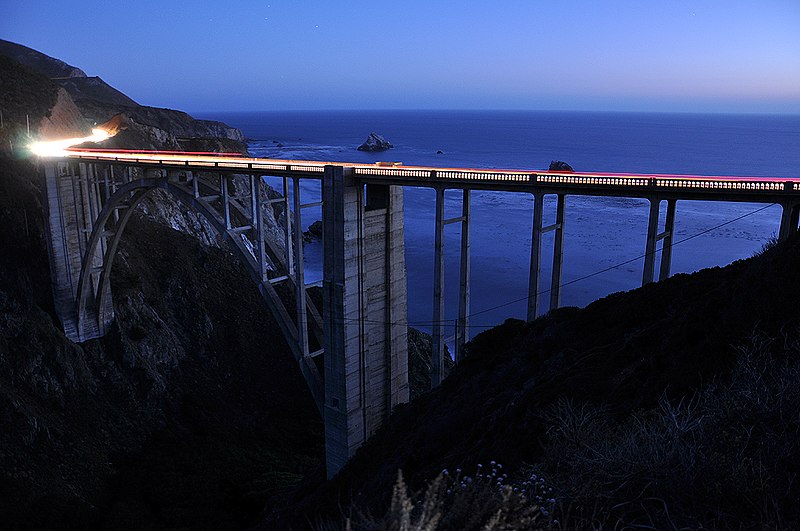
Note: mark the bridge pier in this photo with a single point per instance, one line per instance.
(666, 247)
(438, 340)
(462, 325)
(73, 202)
(558, 254)
(648, 273)
(437, 328)
(790, 216)
(537, 231)
(365, 310)
(536, 257)
(653, 237)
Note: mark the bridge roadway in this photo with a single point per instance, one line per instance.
(697, 187)
(365, 359)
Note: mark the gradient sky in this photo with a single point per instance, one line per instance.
(695, 56)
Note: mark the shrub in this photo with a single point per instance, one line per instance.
(725, 457)
(483, 501)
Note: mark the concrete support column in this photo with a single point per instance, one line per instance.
(287, 241)
(72, 207)
(437, 332)
(299, 275)
(253, 206)
(364, 310)
(558, 255)
(261, 259)
(226, 205)
(462, 328)
(113, 191)
(195, 184)
(648, 274)
(789, 220)
(666, 247)
(536, 257)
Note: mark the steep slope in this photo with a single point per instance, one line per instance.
(191, 412)
(38, 62)
(614, 361)
(149, 127)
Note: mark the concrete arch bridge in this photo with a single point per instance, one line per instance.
(352, 351)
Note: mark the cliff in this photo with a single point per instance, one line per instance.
(98, 102)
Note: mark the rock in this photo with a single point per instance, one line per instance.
(375, 142)
(559, 165)
(419, 362)
(314, 232)
(439, 152)
(279, 145)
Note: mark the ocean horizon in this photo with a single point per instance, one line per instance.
(599, 232)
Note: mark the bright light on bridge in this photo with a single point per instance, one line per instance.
(58, 148)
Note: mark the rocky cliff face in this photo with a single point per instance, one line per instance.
(64, 118)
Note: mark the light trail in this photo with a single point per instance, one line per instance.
(60, 148)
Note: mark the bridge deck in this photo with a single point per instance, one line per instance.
(722, 188)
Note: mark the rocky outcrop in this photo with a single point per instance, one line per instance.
(64, 119)
(314, 232)
(559, 165)
(179, 124)
(375, 142)
(419, 362)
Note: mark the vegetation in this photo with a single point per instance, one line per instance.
(484, 501)
(24, 95)
(721, 458)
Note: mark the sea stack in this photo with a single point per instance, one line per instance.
(559, 165)
(375, 142)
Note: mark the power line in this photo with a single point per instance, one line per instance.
(626, 262)
(573, 281)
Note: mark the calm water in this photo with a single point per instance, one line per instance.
(599, 232)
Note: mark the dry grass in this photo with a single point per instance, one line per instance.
(725, 457)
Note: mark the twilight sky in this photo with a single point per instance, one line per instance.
(677, 55)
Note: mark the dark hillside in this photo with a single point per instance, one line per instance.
(626, 356)
(191, 412)
(39, 62)
(23, 92)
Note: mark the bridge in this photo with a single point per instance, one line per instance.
(352, 351)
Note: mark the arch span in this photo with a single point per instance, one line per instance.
(93, 303)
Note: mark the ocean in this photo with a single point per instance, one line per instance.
(599, 232)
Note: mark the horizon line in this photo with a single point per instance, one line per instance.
(411, 109)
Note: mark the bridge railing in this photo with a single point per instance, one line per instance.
(419, 175)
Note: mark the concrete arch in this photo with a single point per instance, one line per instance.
(131, 194)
